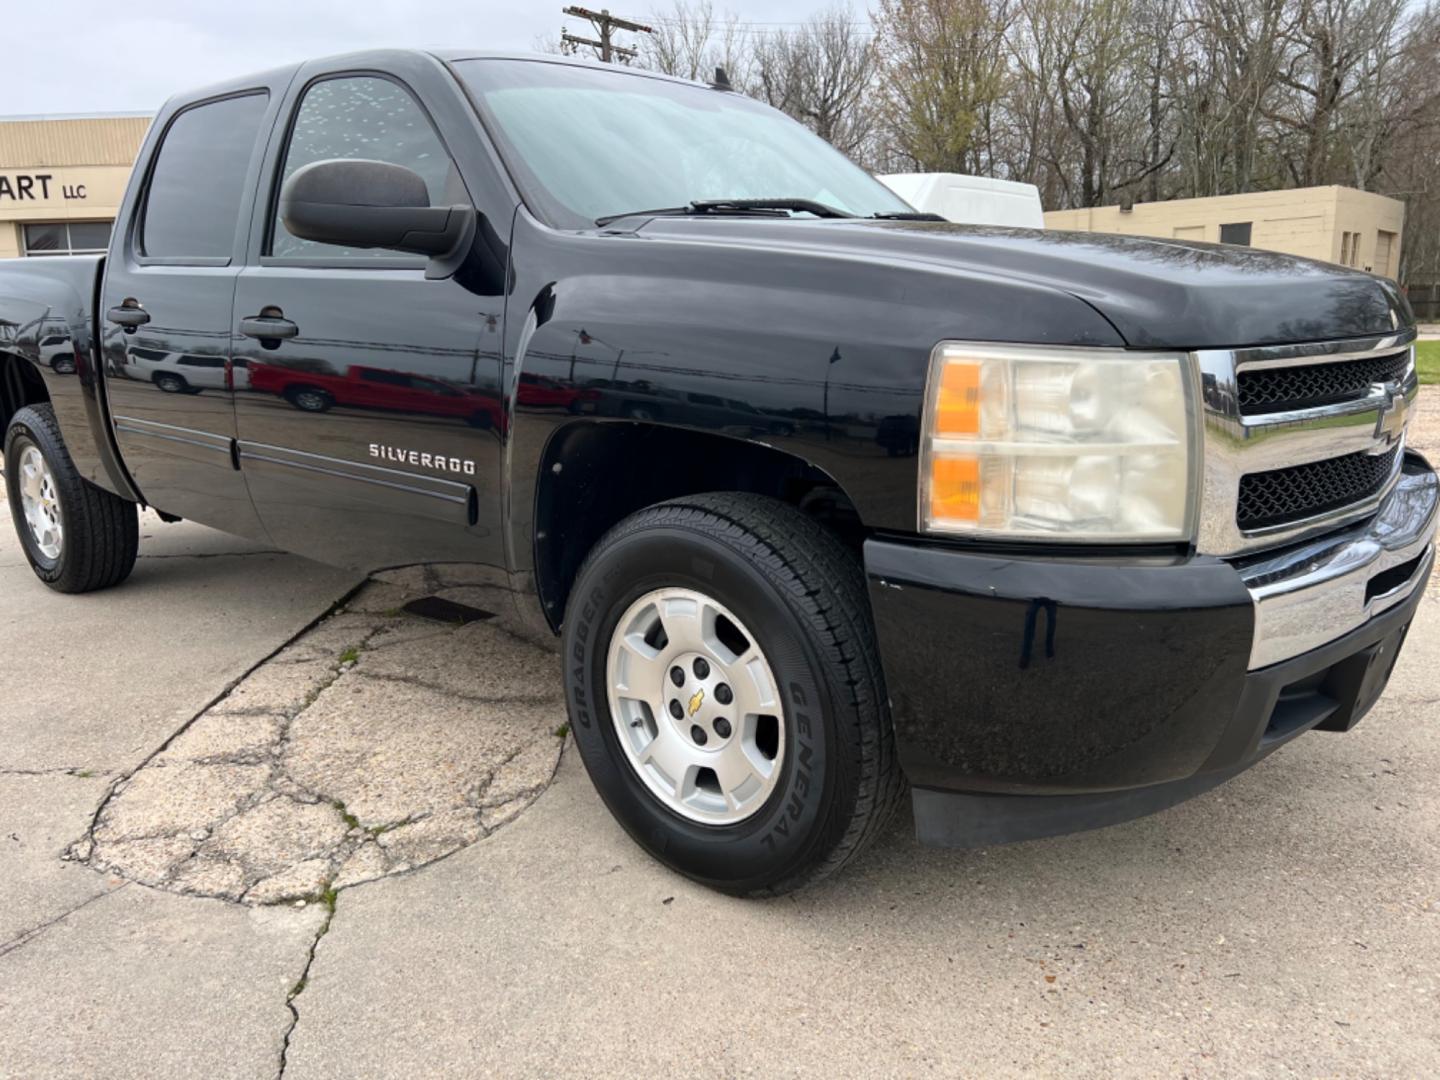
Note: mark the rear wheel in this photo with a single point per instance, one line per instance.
(76, 537)
(309, 399)
(725, 692)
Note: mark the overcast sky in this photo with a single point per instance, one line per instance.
(69, 56)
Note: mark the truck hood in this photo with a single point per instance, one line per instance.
(1170, 294)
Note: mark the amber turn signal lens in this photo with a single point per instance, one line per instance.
(955, 489)
(957, 410)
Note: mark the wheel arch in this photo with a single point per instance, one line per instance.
(20, 385)
(595, 473)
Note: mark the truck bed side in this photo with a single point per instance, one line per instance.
(47, 353)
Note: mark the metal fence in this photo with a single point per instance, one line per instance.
(1425, 299)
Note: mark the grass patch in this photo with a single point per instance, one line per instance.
(1427, 361)
(350, 819)
(562, 731)
(350, 655)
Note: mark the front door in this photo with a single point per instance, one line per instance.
(370, 424)
(165, 311)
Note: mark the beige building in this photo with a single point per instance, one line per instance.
(1337, 224)
(62, 179)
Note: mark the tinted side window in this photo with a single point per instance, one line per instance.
(370, 118)
(198, 181)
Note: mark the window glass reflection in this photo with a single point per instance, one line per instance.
(371, 119)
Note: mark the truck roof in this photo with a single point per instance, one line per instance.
(377, 58)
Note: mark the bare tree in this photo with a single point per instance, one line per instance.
(691, 41)
(823, 74)
(945, 70)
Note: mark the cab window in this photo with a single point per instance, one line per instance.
(370, 118)
(197, 184)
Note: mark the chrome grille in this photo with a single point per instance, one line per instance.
(1295, 444)
(1306, 385)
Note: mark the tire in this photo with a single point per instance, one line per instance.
(798, 597)
(310, 399)
(100, 532)
(172, 384)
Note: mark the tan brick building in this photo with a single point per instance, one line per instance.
(62, 179)
(1337, 224)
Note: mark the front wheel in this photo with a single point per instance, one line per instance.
(171, 383)
(726, 695)
(76, 537)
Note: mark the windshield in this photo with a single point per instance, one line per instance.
(589, 143)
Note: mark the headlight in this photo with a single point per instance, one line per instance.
(1079, 444)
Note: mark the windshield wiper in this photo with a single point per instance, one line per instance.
(739, 207)
(906, 215)
(694, 209)
(808, 206)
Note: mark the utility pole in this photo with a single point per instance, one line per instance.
(605, 26)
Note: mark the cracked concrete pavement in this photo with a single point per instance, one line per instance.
(93, 970)
(1287, 923)
(363, 748)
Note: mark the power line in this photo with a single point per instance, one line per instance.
(762, 29)
(722, 21)
(605, 26)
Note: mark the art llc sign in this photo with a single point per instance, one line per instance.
(36, 187)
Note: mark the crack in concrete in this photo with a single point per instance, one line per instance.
(80, 772)
(293, 852)
(332, 904)
(284, 852)
(459, 695)
(27, 936)
(118, 783)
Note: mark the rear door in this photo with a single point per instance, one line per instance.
(166, 304)
(368, 436)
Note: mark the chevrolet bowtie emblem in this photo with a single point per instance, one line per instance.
(696, 700)
(1390, 424)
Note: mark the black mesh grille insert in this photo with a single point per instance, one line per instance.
(1278, 389)
(1301, 491)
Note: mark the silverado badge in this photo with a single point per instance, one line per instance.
(696, 700)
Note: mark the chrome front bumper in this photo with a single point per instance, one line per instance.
(1324, 588)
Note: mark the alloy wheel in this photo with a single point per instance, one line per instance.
(695, 705)
(40, 502)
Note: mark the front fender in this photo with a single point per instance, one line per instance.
(819, 355)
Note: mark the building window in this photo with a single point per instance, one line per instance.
(67, 238)
(1237, 232)
(1350, 248)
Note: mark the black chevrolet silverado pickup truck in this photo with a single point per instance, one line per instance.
(823, 499)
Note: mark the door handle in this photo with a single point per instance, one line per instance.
(129, 315)
(268, 327)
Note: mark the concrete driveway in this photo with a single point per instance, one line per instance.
(238, 841)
